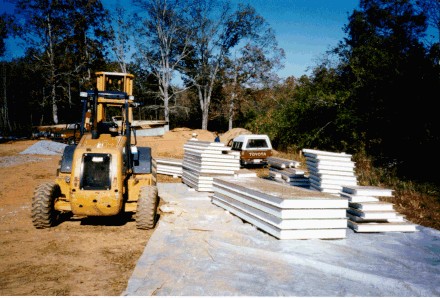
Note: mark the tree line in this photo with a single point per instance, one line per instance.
(373, 93)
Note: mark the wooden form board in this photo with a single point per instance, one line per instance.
(284, 234)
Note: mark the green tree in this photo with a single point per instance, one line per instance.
(66, 39)
(391, 78)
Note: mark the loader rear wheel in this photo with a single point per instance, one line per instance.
(147, 207)
(44, 214)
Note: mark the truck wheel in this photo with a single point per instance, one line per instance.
(147, 207)
(44, 214)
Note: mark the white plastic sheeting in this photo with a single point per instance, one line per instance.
(199, 249)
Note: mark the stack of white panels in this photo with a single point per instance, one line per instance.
(367, 213)
(328, 171)
(283, 211)
(202, 161)
(169, 166)
(286, 171)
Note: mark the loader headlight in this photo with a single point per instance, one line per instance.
(67, 179)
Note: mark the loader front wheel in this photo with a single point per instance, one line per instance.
(147, 207)
(44, 214)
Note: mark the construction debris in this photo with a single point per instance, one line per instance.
(286, 171)
(282, 163)
(283, 211)
(365, 215)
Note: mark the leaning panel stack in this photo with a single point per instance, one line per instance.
(328, 171)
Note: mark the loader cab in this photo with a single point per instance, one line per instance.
(111, 105)
(112, 98)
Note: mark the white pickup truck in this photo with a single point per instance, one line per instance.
(254, 149)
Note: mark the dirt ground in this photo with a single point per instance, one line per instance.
(78, 257)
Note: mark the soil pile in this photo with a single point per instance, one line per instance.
(232, 133)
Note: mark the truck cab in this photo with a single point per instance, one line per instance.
(254, 149)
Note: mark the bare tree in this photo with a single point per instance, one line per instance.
(162, 43)
(120, 32)
(252, 65)
(218, 30)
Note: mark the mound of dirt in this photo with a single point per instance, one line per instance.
(171, 143)
(232, 133)
(184, 133)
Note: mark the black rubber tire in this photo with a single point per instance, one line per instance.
(44, 214)
(147, 207)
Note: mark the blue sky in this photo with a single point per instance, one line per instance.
(305, 29)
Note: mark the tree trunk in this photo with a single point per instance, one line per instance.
(6, 125)
(231, 110)
(233, 97)
(54, 106)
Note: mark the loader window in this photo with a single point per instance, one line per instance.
(96, 172)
